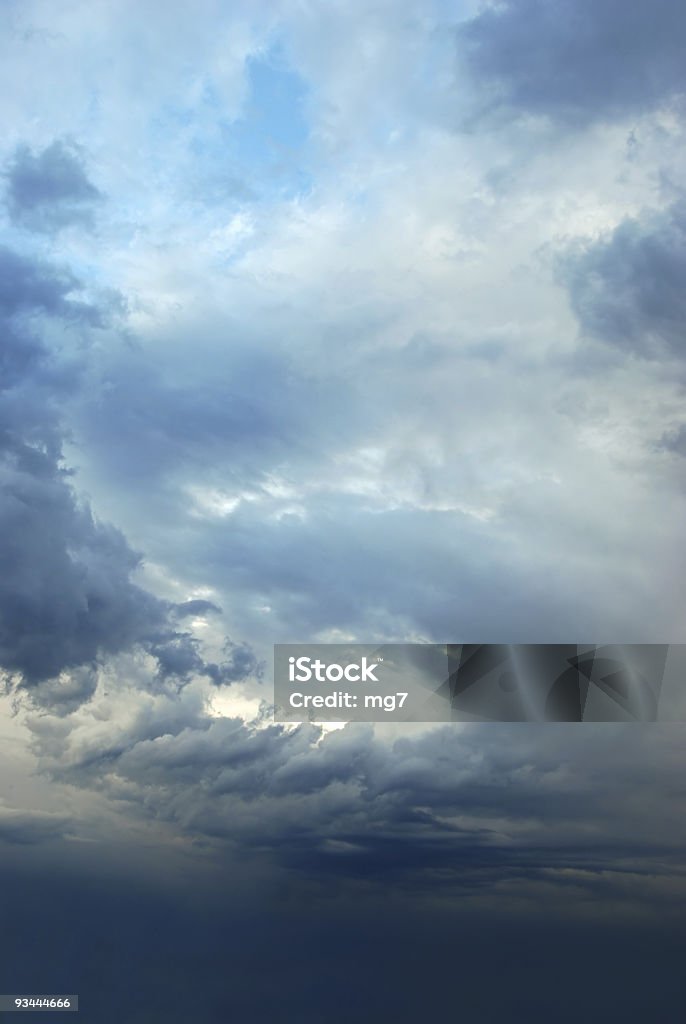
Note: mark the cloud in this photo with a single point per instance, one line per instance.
(65, 591)
(674, 442)
(347, 397)
(196, 606)
(50, 190)
(67, 596)
(627, 289)
(354, 806)
(23, 827)
(576, 61)
(30, 286)
(240, 663)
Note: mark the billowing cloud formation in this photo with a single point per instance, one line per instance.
(577, 61)
(50, 190)
(354, 806)
(66, 590)
(628, 289)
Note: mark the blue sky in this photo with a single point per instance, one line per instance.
(337, 321)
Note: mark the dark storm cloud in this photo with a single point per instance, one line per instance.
(350, 806)
(65, 587)
(24, 827)
(628, 289)
(30, 286)
(446, 836)
(66, 590)
(577, 61)
(227, 756)
(49, 190)
(179, 656)
(240, 663)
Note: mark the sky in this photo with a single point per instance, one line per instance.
(336, 321)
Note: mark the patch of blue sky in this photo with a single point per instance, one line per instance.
(260, 156)
(269, 141)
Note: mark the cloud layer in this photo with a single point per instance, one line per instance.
(324, 323)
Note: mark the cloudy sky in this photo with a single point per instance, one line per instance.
(330, 320)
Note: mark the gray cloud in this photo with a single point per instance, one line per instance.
(179, 657)
(233, 480)
(50, 190)
(674, 442)
(576, 61)
(29, 286)
(196, 606)
(628, 289)
(341, 564)
(354, 807)
(259, 408)
(240, 663)
(24, 828)
(66, 591)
